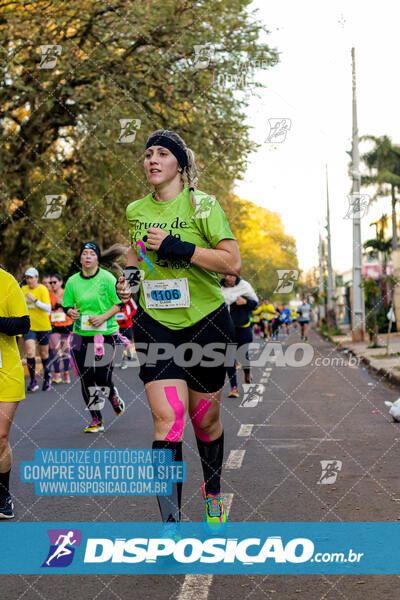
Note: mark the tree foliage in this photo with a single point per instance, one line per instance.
(383, 162)
(137, 59)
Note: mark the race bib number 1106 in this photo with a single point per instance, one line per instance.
(166, 293)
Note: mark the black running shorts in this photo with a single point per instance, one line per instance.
(215, 328)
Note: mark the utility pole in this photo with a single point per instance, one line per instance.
(331, 313)
(321, 281)
(358, 307)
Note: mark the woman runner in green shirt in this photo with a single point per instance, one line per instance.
(92, 303)
(180, 241)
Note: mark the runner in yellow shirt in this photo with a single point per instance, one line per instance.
(39, 305)
(14, 320)
(258, 320)
(267, 314)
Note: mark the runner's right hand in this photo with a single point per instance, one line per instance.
(74, 313)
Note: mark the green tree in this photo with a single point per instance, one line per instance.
(383, 162)
(379, 246)
(113, 60)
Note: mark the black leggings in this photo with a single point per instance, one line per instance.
(243, 335)
(91, 375)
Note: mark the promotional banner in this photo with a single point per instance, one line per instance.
(249, 548)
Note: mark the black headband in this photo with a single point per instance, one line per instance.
(166, 142)
(92, 246)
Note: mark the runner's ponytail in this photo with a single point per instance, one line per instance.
(191, 174)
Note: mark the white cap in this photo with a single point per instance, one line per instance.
(31, 272)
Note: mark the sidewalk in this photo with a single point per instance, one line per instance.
(388, 367)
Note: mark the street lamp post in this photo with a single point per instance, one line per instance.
(358, 307)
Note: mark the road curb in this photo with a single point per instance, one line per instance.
(388, 374)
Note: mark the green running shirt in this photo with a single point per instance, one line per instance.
(204, 226)
(94, 296)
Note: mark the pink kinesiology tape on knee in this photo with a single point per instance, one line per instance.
(197, 416)
(176, 431)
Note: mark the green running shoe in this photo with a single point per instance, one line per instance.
(215, 516)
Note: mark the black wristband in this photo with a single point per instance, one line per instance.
(172, 248)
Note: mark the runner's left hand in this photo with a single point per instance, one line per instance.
(96, 320)
(155, 236)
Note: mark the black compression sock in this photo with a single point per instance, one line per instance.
(45, 363)
(212, 455)
(31, 364)
(4, 484)
(170, 506)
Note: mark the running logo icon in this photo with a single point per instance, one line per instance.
(278, 129)
(203, 55)
(129, 129)
(358, 204)
(287, 279)
(54, 206)
(252, 394)
(203, 207)
(330, 471)
(50, 54)
(62, 547)
(98, 396)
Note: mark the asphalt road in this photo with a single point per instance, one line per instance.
(273, 450)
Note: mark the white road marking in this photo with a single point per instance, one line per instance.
(235, 459)
(285, 425)
(314, 439)
(195, 587)
(245, 430)
(227, 498)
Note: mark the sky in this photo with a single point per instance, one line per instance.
(311, 87)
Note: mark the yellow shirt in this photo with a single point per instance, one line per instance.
(39, 318)
(257, 313)
(12, 304)
(268, 312)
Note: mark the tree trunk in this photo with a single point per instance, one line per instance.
(375, 337)
(396, 289)
(331, 318)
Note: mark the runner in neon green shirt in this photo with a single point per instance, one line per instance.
(93, 295)
(91, 301)
(180, 240)
(199, 288)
